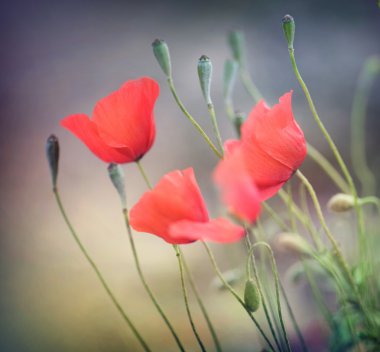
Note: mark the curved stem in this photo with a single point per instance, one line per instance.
(250, 87)
(201, 305)
(276, 281)
(281, 223)
(145, 284)
(362, 238)
(191, 119)
(184, 291)
(235, 294)
(98, 274)
(211, 110)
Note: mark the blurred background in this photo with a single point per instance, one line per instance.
(59, 58)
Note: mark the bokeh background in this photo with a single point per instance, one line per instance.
(59, 58)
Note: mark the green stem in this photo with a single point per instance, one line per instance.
(145, 284)
(201, 305)
(184, 292)
(290, 205)
(98, 273)
(235, 294)
(281, 223)
(211, 110)
(277, 289)
(362, 238)
(143, 174)
(250, 87)
(191, 118)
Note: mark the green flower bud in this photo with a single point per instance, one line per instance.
(161, 52)
(236, 41)
(229, 78)
(291, 242)
(238, 121)
(251, 296)
(341, 202)
(205, 75)
(289, 28)
(52, 154)
(116, 175)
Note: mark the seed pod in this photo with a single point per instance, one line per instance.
(341, 203)
(205, 75)
(161, 52)
(289, 27)
(52, 154)
(116, 175)
(251, 296)
(236, 41)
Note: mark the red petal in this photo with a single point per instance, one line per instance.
(125, 117)
(239, 191)
(176, 197)
(216, 230)
(86, 130)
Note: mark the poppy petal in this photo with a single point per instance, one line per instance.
(216, 230)
(87, 131)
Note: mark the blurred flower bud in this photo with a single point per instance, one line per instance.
(238, 120)
(251, 296)
(230, 72)
(341, 202)
(52, 154)
(289, 28)
(236, 41)
(161, 52)
(232, 277)
(291, 242)
(205, 75)
(116, 174)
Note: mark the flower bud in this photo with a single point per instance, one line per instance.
(291, 242)
(205, 75)
(289, 28)
(116, 175)
(237, 44)
(238, 121)
(232, 277)
(341, 203)
(251, 296)
(161, 52)
(52, 154)
(230, 72)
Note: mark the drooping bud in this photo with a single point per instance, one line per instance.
(236, 41)
(161, 52)
(238, 121)
(116, 175)
(205, 76)
(251, 296)
(52, 154)
(230, 72)
(341, 202)
(289, 28)
(291, 242)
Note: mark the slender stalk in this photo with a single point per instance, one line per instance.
(211, 111)
(276, 281)
(201, 305)
(248, 84)
(143, 174)
(290, 205)
(235, 294)
(191, 118)
(145, 284)
(281, 223)
(184, 292)
(98, 273)
(362, 238)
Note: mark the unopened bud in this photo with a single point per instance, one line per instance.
(251, 296)
(205, 75)
(161, 52)
(289, 28)
(236, 41)
(291, 242)
(238, 122)
(341, 203)
(229, 77)
(52, 154)
(116, 175)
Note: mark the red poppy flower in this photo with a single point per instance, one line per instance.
(271, 149)
(122, 127)
(175, 211)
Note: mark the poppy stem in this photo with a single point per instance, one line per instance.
(143, 174)
(363, 247)
(191, 118)
(211, 110)
(249, 86)
(98, 273)
(235, 294)
(145, 284)
(185, 296)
